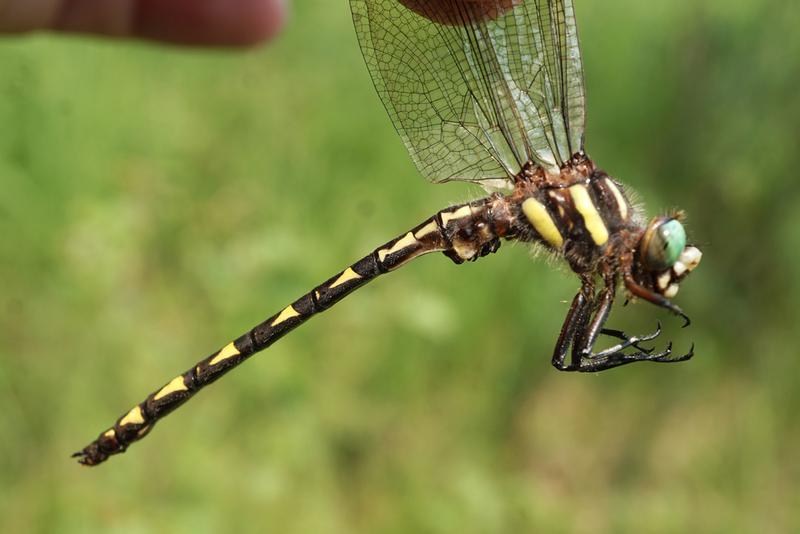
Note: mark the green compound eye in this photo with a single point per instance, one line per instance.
(664, 243)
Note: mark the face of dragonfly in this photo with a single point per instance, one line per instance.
(664, 257)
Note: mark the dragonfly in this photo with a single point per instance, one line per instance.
(489, 92)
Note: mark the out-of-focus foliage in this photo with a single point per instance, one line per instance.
(155, 202)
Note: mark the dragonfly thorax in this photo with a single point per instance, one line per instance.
(582, 214)
(585, 216)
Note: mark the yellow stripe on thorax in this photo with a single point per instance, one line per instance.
(542, 222)
(623, 206)
(591, 217)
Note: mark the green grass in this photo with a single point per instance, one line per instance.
(158, 201)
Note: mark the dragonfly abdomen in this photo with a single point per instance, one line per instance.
(474, 230)
(464, 232)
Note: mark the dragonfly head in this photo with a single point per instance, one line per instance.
(664, 257)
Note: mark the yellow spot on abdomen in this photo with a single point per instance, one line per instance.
(134, 417)
(228, 351)
(591, 217)
(405, 242)
(175, 385)
(623, 206)
(542, 222)
(460, 213)
(110, 433)
(287, 313)
(427, 229)
(347, 275)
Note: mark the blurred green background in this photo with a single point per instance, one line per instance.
(155, 202)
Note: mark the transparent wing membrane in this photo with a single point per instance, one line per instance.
(476, 88)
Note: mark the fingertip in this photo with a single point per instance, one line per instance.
(210, 22)
(256, 22)
(267, 21)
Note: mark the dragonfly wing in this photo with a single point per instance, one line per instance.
(476, 88)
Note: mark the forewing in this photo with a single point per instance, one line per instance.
(477, 87)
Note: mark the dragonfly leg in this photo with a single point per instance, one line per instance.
(577, 317)
(633, 341)
(581, 330)
(655, 298)
(601, 363)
